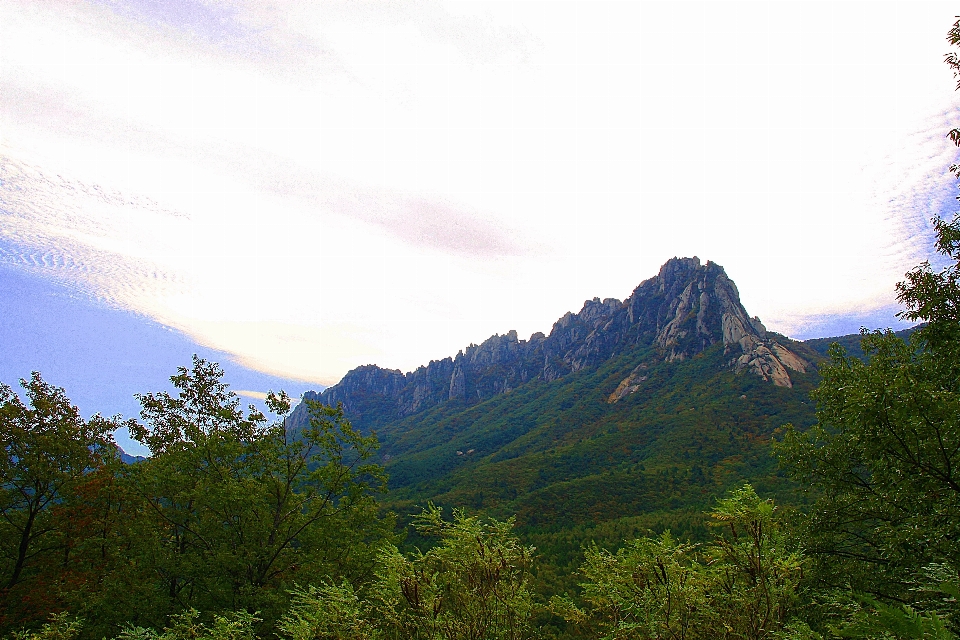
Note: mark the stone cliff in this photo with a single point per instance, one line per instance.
(682, 311)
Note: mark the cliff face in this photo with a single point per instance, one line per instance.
(683, 310)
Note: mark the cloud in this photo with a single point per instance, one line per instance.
(213, 22)
(317, 186)
(479, 38)
(444, 227)
(292, 38)
(319, 354)
(416, 219)
(110, 245)
(256, 395)
(196, 271)
(819, 326)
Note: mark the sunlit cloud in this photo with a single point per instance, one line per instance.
(256, 395)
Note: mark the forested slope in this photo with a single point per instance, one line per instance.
(572, 466)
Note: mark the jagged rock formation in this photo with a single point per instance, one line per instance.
(682, 311)
(769, 360)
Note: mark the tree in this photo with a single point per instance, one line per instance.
(58, 627)
(883, 460)
(50, 453)
(742, 585)
(651, 588)
(756, 569)
(473, 585)
(236, 510)
(329, 612)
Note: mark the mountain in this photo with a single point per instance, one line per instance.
(629, 416)
(682, 311)
(126, 458)
(851, 343)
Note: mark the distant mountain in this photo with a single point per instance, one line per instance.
(682, 311)
(572, 465)
(850, 343)
(126, 458)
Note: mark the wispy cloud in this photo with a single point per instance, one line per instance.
(256, 395)
(418, 219)
(214, 23)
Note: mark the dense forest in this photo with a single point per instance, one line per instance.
(238, 527)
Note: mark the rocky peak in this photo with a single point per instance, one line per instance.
(691, 306)
(683, 310)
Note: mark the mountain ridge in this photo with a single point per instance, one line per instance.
(683, 310)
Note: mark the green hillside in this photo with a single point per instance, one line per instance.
(850, 343)
(573, 467)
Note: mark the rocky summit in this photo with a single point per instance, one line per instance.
(683, 310)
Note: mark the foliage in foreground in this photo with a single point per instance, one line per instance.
(228, 514)
(884, 458)
(743, 584)
(473, 584)
(748, 583)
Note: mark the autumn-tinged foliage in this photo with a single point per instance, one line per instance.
(229, 513)
(53, 476)
(237, 510)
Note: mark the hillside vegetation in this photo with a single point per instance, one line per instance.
(572, 467)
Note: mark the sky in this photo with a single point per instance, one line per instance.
(300, 188)
(103, 356)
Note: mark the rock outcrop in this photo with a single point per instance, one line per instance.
(685, 309)
(629, 385)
